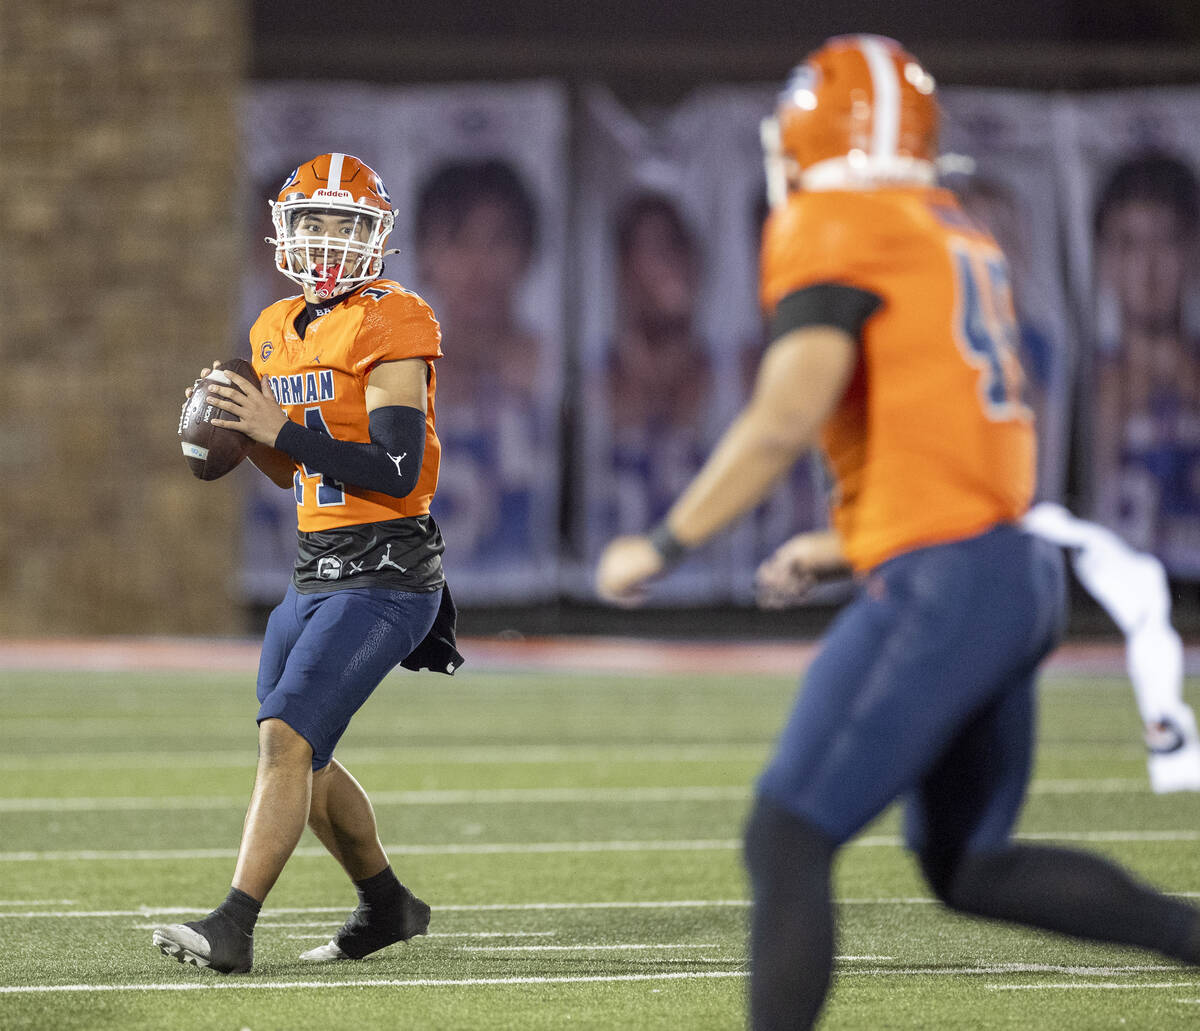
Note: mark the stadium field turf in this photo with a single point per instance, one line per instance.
(577, 834)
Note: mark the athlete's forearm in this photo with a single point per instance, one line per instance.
(389, 464)
(802, 376)
(738, 475)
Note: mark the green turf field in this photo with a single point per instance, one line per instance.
(577, 836)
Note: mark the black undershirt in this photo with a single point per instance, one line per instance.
(314, 310)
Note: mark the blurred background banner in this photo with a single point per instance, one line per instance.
(651, 397)
(1008, 181)
(528, 147)
(482, 190)
(594, 268)
(1129, 162)
(477, 175)
(669, 212)
(730, 146)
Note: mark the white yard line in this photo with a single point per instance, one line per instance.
(454, 849)
(585, 948)
(332, 926)
(434, 934)
(515, 754)
(1124, 985)
(249, 985)
(164, 913)
(214, 985)
(488, 907)
(884, 840)
(558, 847)
(460, 754)
(503, 796)
(489, 796)
(38, 902)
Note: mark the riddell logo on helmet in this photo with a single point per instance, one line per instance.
(334, 194)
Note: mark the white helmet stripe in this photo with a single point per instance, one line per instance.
(885, 109)
(335, 171)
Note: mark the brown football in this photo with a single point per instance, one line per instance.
(212, 451)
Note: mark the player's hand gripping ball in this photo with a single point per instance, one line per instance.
(212, 451)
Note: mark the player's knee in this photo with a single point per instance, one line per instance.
(779, 841)
(938, 869)
(281, 746)
(967, 881)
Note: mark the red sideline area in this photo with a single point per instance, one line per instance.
(577, 654)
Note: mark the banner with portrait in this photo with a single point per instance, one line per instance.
(668, 216)
(477, 175)
(1131, 166)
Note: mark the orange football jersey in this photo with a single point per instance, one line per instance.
(320, 382)
(931, 441)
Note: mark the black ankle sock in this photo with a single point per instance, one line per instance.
(387, 913)
(241, 909)
(229, 931)
(381, 891)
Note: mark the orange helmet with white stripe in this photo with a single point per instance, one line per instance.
(332, 255)
(860, 112)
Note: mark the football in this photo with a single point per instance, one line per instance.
(212, 451)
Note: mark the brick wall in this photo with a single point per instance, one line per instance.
(117, 155)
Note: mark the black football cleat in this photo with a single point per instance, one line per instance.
(213, 942)
(361, 935)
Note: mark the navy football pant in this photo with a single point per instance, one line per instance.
(924, 685)
(323, 655)
(925, 688)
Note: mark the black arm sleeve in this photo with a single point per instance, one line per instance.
(825, 304)
(389, 464)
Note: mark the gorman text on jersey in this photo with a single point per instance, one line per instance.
(303, 387)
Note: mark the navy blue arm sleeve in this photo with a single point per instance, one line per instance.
(389, 464)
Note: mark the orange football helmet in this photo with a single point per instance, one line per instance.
(860, 112)
(332, 257)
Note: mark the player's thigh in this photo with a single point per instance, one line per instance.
(859, 724)
(284, 627)
(935, 635)
(350, 640)
(970, 799)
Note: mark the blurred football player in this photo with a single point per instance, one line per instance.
(894, 337)
(345, 419)
(1131, 586)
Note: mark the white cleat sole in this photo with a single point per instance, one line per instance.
(323, 954)
(1176, 771)
(183, 944)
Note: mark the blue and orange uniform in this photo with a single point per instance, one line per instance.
(368, 584)
(924, 685)
(932, 454)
